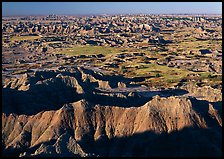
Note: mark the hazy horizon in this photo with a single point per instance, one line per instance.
(110, 8)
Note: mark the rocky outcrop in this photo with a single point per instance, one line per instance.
(206, 92)
(121, 85)
(59, 82)
(92, 123)
(215, 114)
(81, 113)
(21, 83)
(104, 84)
(65, 145)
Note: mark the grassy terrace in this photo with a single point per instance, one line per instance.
(156, 74)
(94, 50)
(20, 38)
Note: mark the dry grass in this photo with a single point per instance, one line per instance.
(20, 38)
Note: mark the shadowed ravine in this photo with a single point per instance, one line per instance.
(51, 90)
(187, 142)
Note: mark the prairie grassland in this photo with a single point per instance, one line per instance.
(20, 38)
(94, 50)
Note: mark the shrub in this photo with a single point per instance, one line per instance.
(158, 75)
(174, 53)
(145, 58)
(44, 49)
(209, 76)
(123, 69)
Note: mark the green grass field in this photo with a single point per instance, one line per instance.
(166, 72)
(155, 74)
(162, 75)
(94, 50)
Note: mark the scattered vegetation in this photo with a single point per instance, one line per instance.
(173, 53)
(158, 75)
(123, 69)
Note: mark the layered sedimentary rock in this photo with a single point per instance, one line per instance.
(206, 92)
(66, 114)
(88, 122)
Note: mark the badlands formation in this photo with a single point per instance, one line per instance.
(79, 112)
(112, 85)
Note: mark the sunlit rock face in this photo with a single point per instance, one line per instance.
(55, 115)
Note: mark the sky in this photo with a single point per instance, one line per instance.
(88, 8)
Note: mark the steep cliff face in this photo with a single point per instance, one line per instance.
(69, 114)
(88, 122)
